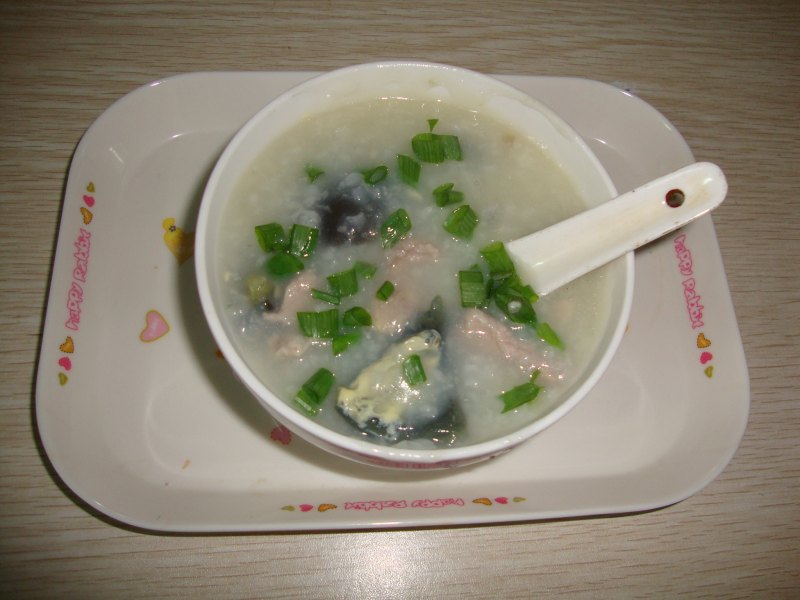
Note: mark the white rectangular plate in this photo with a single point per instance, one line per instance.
(145, 422)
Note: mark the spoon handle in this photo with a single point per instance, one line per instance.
(558, 254)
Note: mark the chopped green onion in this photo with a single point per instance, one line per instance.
(313, 392)
(413, 372)
(313, 173)
(325, 296)
(461, 222)
(302, 240)
(428, 147)
(433, 318)
(365, 270)
(395, 227)
(385, 291)
(528, 292)
(435, 148)
(512, 298)
(343, 341)
(320, 325)
(445, 194)
(522, 394)
(498, 259)
(546, 333)
(409, 169)
(376, 174)
(452, 147)
(472, 287)
(344, 283)
(282, 264)
(357, 317)
(271, 237)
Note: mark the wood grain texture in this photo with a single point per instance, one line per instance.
(725, 73)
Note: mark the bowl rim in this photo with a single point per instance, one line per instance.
(353, 447)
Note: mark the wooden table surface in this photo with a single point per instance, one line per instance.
(726, 73)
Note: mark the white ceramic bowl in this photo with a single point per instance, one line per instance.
(426, 81)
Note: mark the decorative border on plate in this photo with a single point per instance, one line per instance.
(75, 294)
(368, 505)
(693, 300)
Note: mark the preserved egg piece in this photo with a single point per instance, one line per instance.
(442, 432)
(381, 402)
(434, 317)
(349, 214)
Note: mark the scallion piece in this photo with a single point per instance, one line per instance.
(271, 237)
(365, 270)
(498, 259)
(357, 317)
(546, 333)
(395, 227)
(302, 240)
(428, 147)
(413, 372)
(283, 264)
(375, 175)
(512, 298)
(385, 291)
(472, 288)
(344, 283)
(435, 148)
(313, 173)
(325, 296)
(445, 194)
(320, 325)
(409, 169)
(528, 292)
(461, 222)
(343, 341)
(452, 147)
(312, 393)
(519, 395)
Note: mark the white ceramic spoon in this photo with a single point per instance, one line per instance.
(562, 252)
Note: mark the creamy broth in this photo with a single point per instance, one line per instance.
(514, 187)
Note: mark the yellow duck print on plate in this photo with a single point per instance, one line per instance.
(179, 242)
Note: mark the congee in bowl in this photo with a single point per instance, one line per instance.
(352, 267)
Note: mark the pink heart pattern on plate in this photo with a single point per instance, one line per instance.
(281, 434)
(156, 327)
